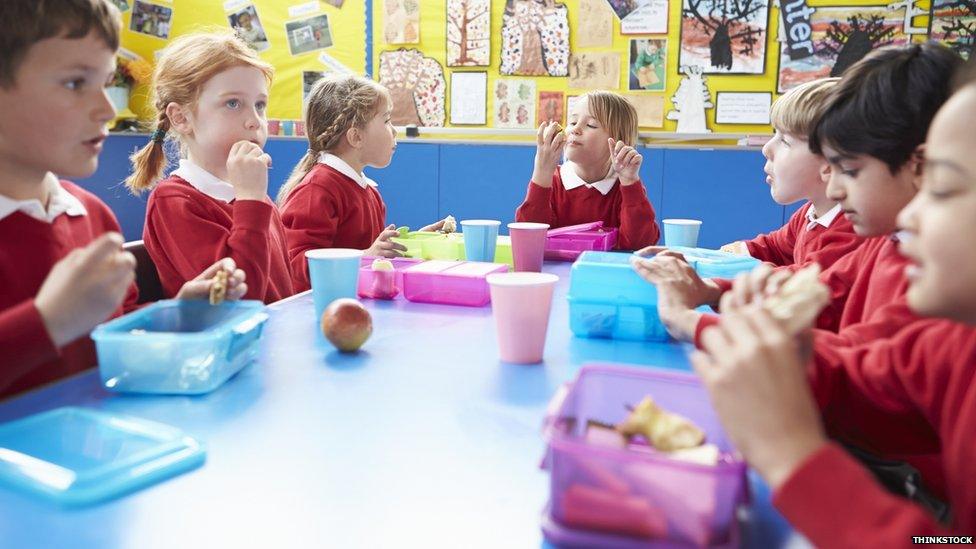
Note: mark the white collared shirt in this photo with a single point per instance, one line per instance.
(571, 180)
(824, 220)
(345, 169)
(59, 202)
(204, 181)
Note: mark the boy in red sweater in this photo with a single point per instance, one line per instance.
(599, 179)
(62, 267)
(210, 92)
(817, 232)
(922, 381)
(328, 202)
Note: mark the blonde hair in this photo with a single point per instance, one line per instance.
(183, 68)
(796, 112)
(335, 104)
(615, 113)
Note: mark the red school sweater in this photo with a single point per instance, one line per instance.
(329, 210)
(795, 245)
(920, 385)
(626, 208)
(28, 252)
(187, 231)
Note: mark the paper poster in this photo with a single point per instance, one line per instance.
(514, 103)
(724, 36)
(650, 109)
(401, 21)
(594, 71)
(417, 86)
(841, 36)
(571, 102)
(550, 108)
(247, 25)
(535, 38)
(309, 78)
(648, 64)
(650, 17)
(595, 28)
(336, 3)
(468, 33)
(913, 10)
(307, 35)
(690, 101)
(308, 8)
(469, 97)
(123, 5)
(334, 64)
(743, 107)
(622, 8)
(953, 22)
(151, 19)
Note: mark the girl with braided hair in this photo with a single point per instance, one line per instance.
(328, 202)
(210, 91)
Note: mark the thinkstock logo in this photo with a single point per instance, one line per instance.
(942, 540)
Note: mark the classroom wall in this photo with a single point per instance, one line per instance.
(425, 182)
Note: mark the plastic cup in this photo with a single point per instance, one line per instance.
(334, 273)
(521, 303)
(480, 238)
(681, 232)
(528, 245)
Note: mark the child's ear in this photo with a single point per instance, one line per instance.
(354, 136)
(825, 172)
(178, 119)
(918, 165)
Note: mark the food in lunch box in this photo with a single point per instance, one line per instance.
(664, 430)
(382, 265)
(218, 290)
(800, 300)
(450, 225)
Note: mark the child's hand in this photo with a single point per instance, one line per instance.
(85, 288)
(433, 227)
(662, 251)
(626, 161)
(679, 291)
(549, 150)
(752, 286)
(199, 287)
(757, 382)
(384, 247)
(247, 170)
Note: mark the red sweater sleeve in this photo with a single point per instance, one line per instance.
(538, 205)
(637, 226)
(311, 218)
(778, 246)
(191, 241)
(24, 342)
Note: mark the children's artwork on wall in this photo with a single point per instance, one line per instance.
(550, 107)
(402, 21)
(743, 107)
(622, 8)
(417, 86)
(468, 33)
(911, 10)
(307, 35)
(123, 5)
(469, 98)
(650, 109)
(647, 66)
(595, 27)
(247, 25)
(336, 3)
(724, 36)
(650, 17)
(841, 36)
(309, 78)
(535, 38)
(514, 100)
(953, 22)
(151, 19)
(690, 101)
(594, 71)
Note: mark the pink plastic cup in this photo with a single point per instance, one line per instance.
(521, 304)
(528, 245)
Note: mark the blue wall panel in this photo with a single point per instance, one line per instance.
(484, 181)
(409, 185)
(107, 183)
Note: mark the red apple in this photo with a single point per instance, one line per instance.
(346, 324)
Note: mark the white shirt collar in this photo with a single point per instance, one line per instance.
(345, 169)
(204, 181)
(567, 172)
(60, 202)
(825, 220)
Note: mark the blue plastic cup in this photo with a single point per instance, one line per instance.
(334, 273)
(480, 238)
(681, 232)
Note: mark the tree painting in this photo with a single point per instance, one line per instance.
(953, 22)
(724, 36)
(417, 86)
(468, 33)
(841, 35)
(535, 38)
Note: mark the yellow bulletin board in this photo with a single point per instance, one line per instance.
(432, 42)
(347, 25)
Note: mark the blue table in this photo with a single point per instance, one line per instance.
(422, 439)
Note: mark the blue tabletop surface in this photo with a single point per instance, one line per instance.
(422, 439)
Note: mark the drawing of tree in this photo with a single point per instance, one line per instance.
(417, 86)
(849, 42)
(468, 31)
(958, 26)
(727, 22)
